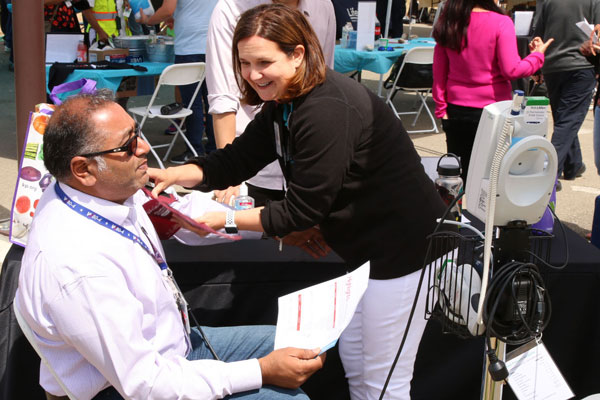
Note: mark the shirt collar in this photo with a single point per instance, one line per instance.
(110, 210)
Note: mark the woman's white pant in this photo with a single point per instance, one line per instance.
(369, 344)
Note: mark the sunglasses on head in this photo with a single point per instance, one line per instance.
(130, 146)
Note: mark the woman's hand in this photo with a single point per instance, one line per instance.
(214, 220)
(537, 44)
(186, 175)
(227, 196)
(310, 240)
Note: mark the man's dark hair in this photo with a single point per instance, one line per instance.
(70, 131)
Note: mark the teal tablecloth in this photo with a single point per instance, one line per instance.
(347, 60)
(111, 78)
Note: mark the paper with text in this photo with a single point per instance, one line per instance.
(315, 317)
(533, 375)
(587, 28)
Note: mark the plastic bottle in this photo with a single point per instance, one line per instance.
(243, 201)
(449, 185)
(346, 29)
(153, 38)
(377, 30)
(81, 52)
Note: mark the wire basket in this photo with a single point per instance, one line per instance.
(454, 279)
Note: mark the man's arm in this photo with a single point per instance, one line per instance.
(91, 19)
(164, 13)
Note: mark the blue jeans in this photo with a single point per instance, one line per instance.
(570, 94)
(195, 122)
(597, 138)
(232, 344)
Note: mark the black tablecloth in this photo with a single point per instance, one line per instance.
(239, 283)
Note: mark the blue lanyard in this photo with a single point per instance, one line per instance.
(108, 224)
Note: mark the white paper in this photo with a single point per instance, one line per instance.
(533, 375)
(62, 47)
(587, 28)
(523, 22)
(365, 27)
(315, 317)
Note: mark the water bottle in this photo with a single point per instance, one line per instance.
(449, 184)
(81, 52)
(153, 37)
(243, 201)
(346, 29)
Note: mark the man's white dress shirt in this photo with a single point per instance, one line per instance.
(223, 92)
(102, 313)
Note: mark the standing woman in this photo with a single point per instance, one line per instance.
(474, 61)
(350, 169)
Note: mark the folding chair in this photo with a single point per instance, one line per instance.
(173, 75)
(414, 74)
(30, 337)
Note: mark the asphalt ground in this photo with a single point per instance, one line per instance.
(575, 203)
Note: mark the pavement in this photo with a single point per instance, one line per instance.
(575, 203)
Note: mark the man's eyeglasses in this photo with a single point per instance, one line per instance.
(130, 146)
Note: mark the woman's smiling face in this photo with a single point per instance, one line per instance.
(266, 67)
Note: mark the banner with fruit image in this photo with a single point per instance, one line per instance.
(33, 177)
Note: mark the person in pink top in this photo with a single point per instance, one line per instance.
(475, 59)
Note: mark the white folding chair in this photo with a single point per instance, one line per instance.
(30, 337)
(415, 76)
(173, 75)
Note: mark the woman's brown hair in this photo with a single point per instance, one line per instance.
(288, 28)
(451, 29)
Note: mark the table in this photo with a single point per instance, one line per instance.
(380, 62)
(238, 283)
(111, 78)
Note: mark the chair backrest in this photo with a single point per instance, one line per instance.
(416, 70)
(182, 74)
(419, 55)
(31, 338)
(177, 75)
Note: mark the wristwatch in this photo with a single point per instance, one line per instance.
(230, 226)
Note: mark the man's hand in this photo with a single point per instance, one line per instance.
(143, 17)
(290, 367)
(310, 240)
(228, 195)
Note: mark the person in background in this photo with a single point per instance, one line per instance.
(63, 17)
(190, 19)
(569, 76)
(350, 168)
(104, 310)
(396, 17)
(591, 50)
(475, 58)
(229, 116)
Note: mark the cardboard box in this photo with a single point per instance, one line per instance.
(105, 54)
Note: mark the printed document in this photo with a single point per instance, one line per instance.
(315, 317)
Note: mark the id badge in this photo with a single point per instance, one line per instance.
(278, 147)
(127, 12)
(182, 304)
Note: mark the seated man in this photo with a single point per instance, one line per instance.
(97, 293)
